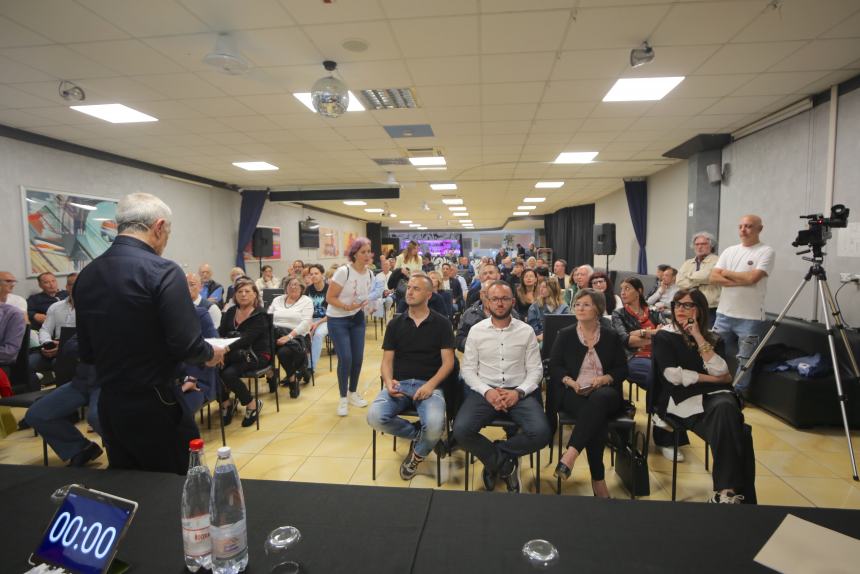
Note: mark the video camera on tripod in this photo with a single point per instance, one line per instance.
(818, 231)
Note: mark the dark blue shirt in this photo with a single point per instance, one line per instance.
(39, 303)
(135, 318)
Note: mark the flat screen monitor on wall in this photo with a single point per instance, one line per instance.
(309, 234)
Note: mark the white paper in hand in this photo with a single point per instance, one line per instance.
(221, 343)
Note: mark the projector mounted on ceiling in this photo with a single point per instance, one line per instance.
(225, 57)
(642, 55)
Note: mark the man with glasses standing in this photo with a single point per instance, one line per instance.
(503, 369)
(695, 273)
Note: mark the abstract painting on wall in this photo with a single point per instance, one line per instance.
(64, 231)
(328, 243)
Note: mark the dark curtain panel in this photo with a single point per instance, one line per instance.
(249, 216)
(637, 202)
(569, 234)
(374, 233)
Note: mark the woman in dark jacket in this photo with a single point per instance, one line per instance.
(246, 320)
(587, 367)
(692, 383)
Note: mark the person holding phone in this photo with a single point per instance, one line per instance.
(692, 382)
(418, 356)
(587, 367)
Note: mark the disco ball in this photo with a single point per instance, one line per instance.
(330, 97)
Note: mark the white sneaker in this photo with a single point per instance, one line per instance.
(342, 407)
(356, 400)
(667, 452)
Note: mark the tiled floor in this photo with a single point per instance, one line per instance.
(307, 441)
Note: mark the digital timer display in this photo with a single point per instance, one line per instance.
(84, 533)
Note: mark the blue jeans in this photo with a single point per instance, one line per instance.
(347, 333)
(431, 412)
(741, 337)
(317, 343)
(49, 416)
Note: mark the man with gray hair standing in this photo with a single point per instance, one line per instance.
(695, 273)
(136, 324)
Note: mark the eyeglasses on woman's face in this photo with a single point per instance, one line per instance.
(686, 305)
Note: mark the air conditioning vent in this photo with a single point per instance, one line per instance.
(391, 161)
(390, 98)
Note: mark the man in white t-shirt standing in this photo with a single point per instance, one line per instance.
(742, 271)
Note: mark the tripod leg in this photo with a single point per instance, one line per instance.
(831, 312)
(749, 363)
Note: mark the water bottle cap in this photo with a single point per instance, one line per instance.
(224, 452)
(196, 444)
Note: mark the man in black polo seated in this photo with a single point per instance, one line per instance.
(38, 303)
(418, 357)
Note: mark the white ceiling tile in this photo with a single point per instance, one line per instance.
(23, 120)
(58, 61)
(369, 75)
(228, 14)
(128, 57)
(12, 72)
(401, 116)
(557, 138)
(416, 8)
(204, 125)
(681, 106)
(713, 123)
(568, 110)
(329, 38)
(523, 31)
(620, 109)
(110, 90)
(278, 47)
(606, 124)
(708, 86)
(15, 98)
(587, 64)
(830, 79)
(351, 133)
(358, 119)
(444, 71)
(312, 12)
(704, 22)
(180, 85)
(848, 28)
(657, 123)
(271, 136)
(437, 37)
(518, 93)
(516, 67)
(318, 134)
(779, 83)
(249, 123)
(505, 127)
(577, 90)
(188, 50)
(15, 35)
(821, 55)
(150, 18)
(613, 27)
(440, 96)
(508, 112)
(218, 106)
(269, 104)
(454, 114)
(248, 84)
(444, 130)
(65, 22)
(740, 105)
(797, 20)
(747, 58)
(555, 126)
(673, 61)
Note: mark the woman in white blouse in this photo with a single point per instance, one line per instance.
(292, 314)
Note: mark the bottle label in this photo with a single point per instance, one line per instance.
(228, 540)
(195, 535)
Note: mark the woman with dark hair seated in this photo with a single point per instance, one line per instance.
(587, 367)
(247, 321)
(692, 383)
(600, 281)
(549, 301)
(292, 314)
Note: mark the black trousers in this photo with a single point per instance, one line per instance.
(592, 414)
(292, 358)
(722, 425)
(146, 430)
(231, 377)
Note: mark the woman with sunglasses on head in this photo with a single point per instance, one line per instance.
(692, 383)
(600, 281)
(587, 367)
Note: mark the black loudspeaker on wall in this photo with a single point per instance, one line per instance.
(604, 239)
(261, 246)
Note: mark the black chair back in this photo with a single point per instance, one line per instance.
(551, 326)
(19, 373)
(269, 296)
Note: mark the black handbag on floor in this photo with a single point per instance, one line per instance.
(631, 465)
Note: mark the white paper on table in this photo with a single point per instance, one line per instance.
(221, 343)
(799, 547)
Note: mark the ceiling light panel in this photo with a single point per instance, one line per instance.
(549, 184)
(255, 165)
(431, 161)
(461, 214)
(373, 209)
(457, 208)
(355, 202)
(305, 98)
(452, 201)
(521, 213)
(534, 199)
(406, 221)
(526, 207)
(642, 89)
(576, 157)
(115, 113)
(443, 186)
(416, 225)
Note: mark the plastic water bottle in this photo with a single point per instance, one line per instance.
(227, 517)
(195, 510)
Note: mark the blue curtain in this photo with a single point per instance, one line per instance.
(249, 216)
(637, 203)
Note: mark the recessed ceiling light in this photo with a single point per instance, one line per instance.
(433, 168)
(354, 202)
(443, 186)
(374, 209)
(115, 113)
(452, 201)
(526, 207)
(460, 214)
(406, 221)
(429, 161)
(466, 221)
(534, 199)
(549, 184)
(422, 228)
(576, 157)
(641, 89)
(521, 213)
(305, 98)
(414, 225)
(255, 165)
(392, 215)
(457, 208)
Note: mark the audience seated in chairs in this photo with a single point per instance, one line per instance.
(578, 280)
(692, 384)
(661, 299)
(600, 281)
(587, 368)
(199, 382)
(382, 306)
(526, 292)
(58, 315)
(210, 289)
(7, 284)
(510, 387)
(441, 301)
(548, 302)
(194, 288)
(316, 290)
(246, 320)
(516, 274)
(292, 314)
(268, 279)
(418, 357)
(235, 273)
(38, 303)
(559, 271)
(636, 324)
(453, 283)
(474, 315)
(13, 325)
(488, 272)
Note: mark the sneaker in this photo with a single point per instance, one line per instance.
(510, 472)
(251, 416)
(409, 467)
(660, 423)
(90, 452)
(356, 400)
(718, 498)
(667, 452)
(342, 407)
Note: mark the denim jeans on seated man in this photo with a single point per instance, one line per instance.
(384, 411)
(317, 344)
(741, 337)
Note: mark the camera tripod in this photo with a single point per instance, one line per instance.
(831, 310)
